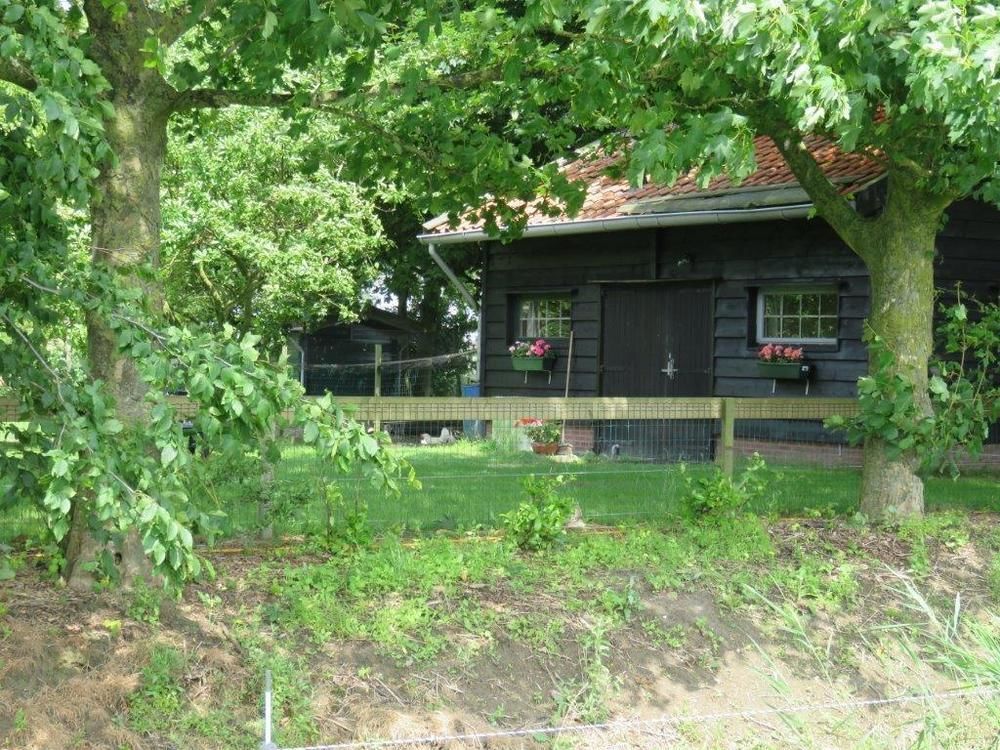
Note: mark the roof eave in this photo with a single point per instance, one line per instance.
(631, 223)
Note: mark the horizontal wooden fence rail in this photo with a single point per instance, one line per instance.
(404, 408)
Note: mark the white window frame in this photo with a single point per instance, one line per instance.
(777, 290)
(520, 301)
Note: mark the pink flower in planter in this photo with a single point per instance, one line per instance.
(538, 348)
(779, 353)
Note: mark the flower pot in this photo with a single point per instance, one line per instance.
(784, 370)
(545, 449)
(532, 364)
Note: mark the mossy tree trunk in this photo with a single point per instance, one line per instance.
(125, 234)
(899, 253)
(898, 247)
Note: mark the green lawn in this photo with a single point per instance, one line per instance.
(467, 484)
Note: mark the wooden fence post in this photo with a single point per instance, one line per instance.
(727, 456)
(378, 382)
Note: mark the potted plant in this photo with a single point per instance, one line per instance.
(782, 362)
(544, 436)
(528, 356)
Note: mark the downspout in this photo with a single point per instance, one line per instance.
(464, 293)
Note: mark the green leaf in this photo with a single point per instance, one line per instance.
(158, 552)
(13, 14)
(270, 22)
(112, 427)
(310, 432)
(168, 454)
(53, 109)
(60, 528)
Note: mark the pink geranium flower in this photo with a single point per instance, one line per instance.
(537, 348)
(779, 353)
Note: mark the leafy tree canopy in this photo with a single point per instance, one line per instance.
(256, 233)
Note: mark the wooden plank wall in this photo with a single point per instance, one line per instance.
(569, 264)
(969, 251)
(741, 258)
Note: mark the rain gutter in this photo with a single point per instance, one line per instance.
(625, 223)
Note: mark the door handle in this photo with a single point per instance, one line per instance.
(670, 370)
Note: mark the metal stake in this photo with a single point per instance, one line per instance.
(267, 744)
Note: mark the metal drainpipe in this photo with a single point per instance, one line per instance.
(460, 287)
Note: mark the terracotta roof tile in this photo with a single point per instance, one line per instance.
(608, 197)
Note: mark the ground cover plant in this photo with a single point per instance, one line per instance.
(405, 636)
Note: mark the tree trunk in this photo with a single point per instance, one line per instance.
(125, 233)
(901, 263)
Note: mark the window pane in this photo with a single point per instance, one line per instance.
(791, 316)
(544, 317)
(789, 328)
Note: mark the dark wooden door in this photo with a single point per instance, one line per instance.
(657, 340)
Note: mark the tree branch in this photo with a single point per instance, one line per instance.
(829, 203)
(13, 72)
(176, 24)
(215, 98)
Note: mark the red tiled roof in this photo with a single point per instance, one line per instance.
(609, 197)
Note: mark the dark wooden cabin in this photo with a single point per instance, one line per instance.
(681, 309)
(634, 300)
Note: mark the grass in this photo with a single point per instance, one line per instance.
(470, 484)
(466, 484)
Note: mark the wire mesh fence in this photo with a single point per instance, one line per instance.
(439, 375)
(623, 457)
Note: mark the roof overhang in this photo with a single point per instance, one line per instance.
(630, 223)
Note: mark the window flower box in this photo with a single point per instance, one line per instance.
(784, 370)
(533, 364)
(532, 356)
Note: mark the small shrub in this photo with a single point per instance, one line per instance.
(621, 606)
(587, 699)
(719, 496)
(345, 526)
(816, 583)
(145, 604)
(951, 530)
(157, 702)
(541, 520)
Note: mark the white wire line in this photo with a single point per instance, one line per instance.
(437, 359)
(637, 724)
(505, 475)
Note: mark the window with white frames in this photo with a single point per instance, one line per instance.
(547, 317)
(796, 315)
